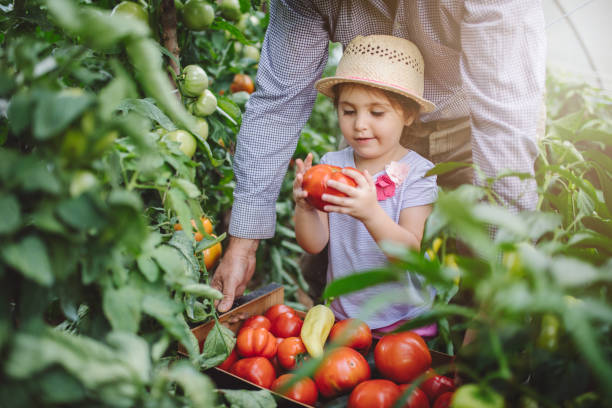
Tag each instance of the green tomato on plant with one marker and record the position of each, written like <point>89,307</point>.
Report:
<point>198,14</point>
<point>230,9</point>
<point>194,81</point>
<point>476,396</point>
<point>206,104</point>
<point>187,143</point>
<point>131,9</point>
<point>81,182</point>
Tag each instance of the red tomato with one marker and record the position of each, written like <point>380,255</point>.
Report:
<point>290,351</point>
<point>341,371</point>
<point>315,183</point>
<point>304,391</point>
<point>286,325</point>
<point>359,335</point>
<point>402,357</point>
<point>253,342</point>
<point>231,359</point>
<point>444,400</point>
<point>257,321</point>
<point>417,398</point>
<point>258,370</point>
<point>437,385</point>
<point>374,393</point>
<point>275,310</point>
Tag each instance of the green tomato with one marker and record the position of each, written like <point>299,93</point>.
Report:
<point>240,98</point>
<point>81,182</point>
<point>198,14</point>
<point>476,396</point>
<point>187,142</point>
<point>250,51</point>
<point>131,9</point>
<point>195,81</point>
<point>202,127</point>
<point>230,9</point>
<point>206,104</point>
<point>548,339</point>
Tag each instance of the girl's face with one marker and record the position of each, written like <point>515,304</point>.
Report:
<point>371,123</point>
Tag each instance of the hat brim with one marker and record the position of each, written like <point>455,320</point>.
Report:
<point>326,85</point>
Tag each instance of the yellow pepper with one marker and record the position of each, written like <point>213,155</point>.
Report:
<point>317,325</point>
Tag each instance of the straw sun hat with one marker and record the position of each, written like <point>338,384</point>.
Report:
<point>382,61</point>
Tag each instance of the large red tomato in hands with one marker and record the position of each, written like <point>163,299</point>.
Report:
<point>356,332</point>
<point>417,398</point>
<point>304,391</point>
<point>315,183</point>
<point>258,370</point>
<point>286,325</point>
<point>374,393</point>
<point>436,386</point>
<point>276,310</point>
<point>289,352</point>
<point>402,357</point>
<point>253,342</point>
<point>341,371</point>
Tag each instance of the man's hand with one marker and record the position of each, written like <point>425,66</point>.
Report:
<point>235,271</point>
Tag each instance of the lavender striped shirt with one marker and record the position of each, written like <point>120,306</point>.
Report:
<point>352,248</point>
<point>483,59</point>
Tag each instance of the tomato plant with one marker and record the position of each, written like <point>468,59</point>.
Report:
<point>354,332</point>
<point>257,370</point>
<point>304,390</point>
<point>253,342</point>
<point>374,393</point>
<point>341,371</point>
<point>402,357</point>
<point>315,183</point>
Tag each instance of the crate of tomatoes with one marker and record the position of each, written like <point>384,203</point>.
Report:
<point>354,368</point>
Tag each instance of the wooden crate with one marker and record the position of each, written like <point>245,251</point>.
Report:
<point>256,303</point>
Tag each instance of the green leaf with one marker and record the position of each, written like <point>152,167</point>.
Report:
<point>148,267</point>
<point>19,111</point>
<point>120,88</point>
<point>55,111</point>
<point>190,189</point>
<point>30,257</point>
<point>198,388</point>
<point>358,281</point>
<point>230,108</point>
<point>222,25</point>
<point>36,175</point>
<point>249,399</point>
<point>245,6</point>
<point>218,345</point>
<point>147,108</point>
<point>11,214</point>
<point>59,387</point>
<point>570,272</point>
<point>122,308</point>
<point>445,167</point>
<point>80,213</point>
<point>173,263</point>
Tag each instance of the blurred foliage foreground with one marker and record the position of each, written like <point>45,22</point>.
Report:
<point>98,288</point>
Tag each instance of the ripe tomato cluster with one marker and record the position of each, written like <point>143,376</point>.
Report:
<point>269,347</point>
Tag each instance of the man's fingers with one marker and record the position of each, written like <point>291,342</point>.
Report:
<point>226,303</point>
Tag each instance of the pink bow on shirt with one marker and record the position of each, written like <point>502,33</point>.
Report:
<point>395,173</point>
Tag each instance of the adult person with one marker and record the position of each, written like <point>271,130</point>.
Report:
<point>485,72</point>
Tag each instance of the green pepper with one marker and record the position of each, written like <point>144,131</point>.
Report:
<point>317,325</point>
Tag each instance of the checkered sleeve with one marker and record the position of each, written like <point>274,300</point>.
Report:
<point>503,71</point>
<point>293,56</point>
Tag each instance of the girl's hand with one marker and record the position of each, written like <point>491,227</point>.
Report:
<point>299,195</point>
<point>361,202</point>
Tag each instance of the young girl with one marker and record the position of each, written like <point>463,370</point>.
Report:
<point>377,91</point>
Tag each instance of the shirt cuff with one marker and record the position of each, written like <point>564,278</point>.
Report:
<point>248,221</point>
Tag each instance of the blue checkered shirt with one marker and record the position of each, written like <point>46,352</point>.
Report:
<point>483,59</point>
